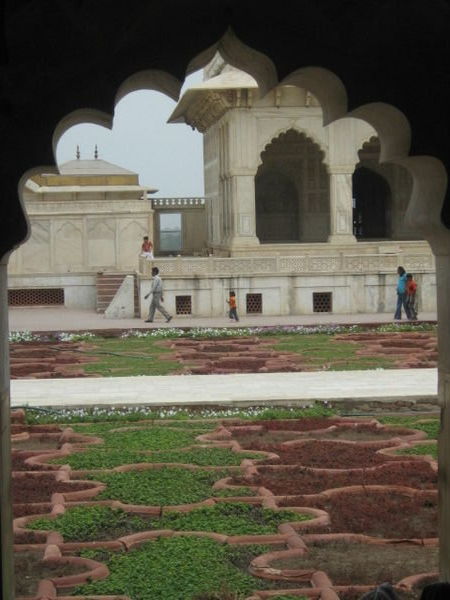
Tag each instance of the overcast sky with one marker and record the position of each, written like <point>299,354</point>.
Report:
<point>165,156</point>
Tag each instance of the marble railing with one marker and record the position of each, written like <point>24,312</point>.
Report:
<point>339,264</point>
<point>178,202</point>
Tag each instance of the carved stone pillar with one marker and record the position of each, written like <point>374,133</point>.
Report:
<point>6,560</point>
<point>239,168</point>
<point>341,206</point>
<point>242,221</point>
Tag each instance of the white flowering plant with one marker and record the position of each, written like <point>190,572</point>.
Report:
<point>127,413</point>
<point>22,336</point>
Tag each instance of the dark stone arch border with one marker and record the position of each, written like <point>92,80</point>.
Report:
<point>59,56</point>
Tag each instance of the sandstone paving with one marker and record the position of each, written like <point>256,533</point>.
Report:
<point>64,319</point>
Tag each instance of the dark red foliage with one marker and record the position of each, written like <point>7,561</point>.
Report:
<point>323,454</point>
<point>303,480</point>
<point>354,594</point>
<point>40,489</point>
<point>18,462</point>
<point>29,537</point>
<point>306,424</point>
<point>23,510</point>
<point>384,514</point>
<point>20,428</point>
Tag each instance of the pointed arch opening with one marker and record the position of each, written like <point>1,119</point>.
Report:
<point>292,191</point>
<point>381,193</point>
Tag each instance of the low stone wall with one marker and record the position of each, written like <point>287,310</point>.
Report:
<point>288,285</point>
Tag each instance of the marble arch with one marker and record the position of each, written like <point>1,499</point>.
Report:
<point>386,184</point>
<point>286,208</point>
<point>33,100</point>
<point>309,134</point>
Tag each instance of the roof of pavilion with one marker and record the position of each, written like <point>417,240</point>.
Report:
<point>93,173</point>
<point>232,79</point>
<point>95,166</point>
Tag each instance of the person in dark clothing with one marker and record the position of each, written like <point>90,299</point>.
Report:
<point>385,591</point>
<point>436,591</point>
<point>401,294</point>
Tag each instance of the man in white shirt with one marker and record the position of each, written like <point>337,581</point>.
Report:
<point>157,297</point>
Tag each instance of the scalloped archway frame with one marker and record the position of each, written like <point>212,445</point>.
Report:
<point>394,131</point>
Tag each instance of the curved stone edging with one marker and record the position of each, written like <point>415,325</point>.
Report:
<point>289,533</point>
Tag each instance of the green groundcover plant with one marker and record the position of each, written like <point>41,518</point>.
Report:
<point>159,486</point>
<point>107,458</point>
<point>234,491</point>
<point>430,425</point>
<point>421,449</point>
<point>177,568</point>
<point>111,417</point>
<point>90,523</point>
<point>141,438</point>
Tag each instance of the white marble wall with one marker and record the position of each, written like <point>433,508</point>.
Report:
<point>70,236</point>
<point>79,290</point>
<point>292,295</point>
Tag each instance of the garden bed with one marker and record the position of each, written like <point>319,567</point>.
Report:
<point>377,512</point>
<point>32,570</point>
<point>193,567</point>
<point>322,454</point>
<point>187,506</point>
<point>288,480</point>
<point>251,350</point>
<point>39,488</point>
<point>90,523</point>
<point>352,563</point>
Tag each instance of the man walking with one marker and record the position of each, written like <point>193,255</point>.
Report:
<point>157,297</point>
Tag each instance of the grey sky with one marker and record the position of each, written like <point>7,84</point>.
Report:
<point>166,156</point>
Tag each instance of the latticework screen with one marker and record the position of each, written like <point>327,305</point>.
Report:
<point>322,301</point>
<point>183,305</point>
<point>36,297</point>
<point>254,303</point>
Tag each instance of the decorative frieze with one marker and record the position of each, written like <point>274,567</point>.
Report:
<point>338,264</point>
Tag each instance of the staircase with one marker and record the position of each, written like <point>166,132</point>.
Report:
<point>107,285</point>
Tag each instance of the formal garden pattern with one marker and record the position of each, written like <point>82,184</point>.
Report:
<point>268,504</point>
<point>192,351</point>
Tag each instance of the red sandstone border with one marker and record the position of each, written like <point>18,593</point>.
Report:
<point>260,565</point>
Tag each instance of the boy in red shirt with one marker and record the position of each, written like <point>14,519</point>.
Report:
<point>411,289</point>
<point>147,248</point>
<point>233,309</point>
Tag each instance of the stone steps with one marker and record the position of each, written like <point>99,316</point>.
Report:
<point>107,285</point>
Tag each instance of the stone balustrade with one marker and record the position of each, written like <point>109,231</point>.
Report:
<point>308,264</point>
<point>177,202</point>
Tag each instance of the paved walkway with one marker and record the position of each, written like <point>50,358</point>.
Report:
<point>242,389</point>
<point>63,319</point>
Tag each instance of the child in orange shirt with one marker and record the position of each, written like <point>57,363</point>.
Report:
<point>147,248</point>
<point>411,304</point>
<point>233,309</point>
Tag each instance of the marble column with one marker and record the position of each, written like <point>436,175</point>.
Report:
<point>242,221</point>
<point>341,206</point>
<point>239,169</point>
<point>6,556</point>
